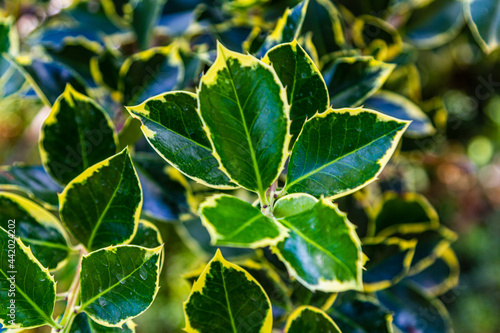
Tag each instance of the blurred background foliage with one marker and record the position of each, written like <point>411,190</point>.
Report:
<point>441,68</point>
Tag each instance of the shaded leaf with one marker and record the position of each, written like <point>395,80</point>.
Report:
<point>83,324</point>
<point>147,235</point>
<point>37,229</point>
<point>76,135</point>
<point>246,116</point>
<point>119,283</point>
<point>310,319</point>
<point>340,151</point>
<point>101,206</point>
<point>228,290</point>
<point>483,17</point>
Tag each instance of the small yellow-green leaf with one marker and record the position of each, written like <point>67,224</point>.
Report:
<point>76,135</point>
<point>235,296</point>
<point>310,319</point>
<point>234,222</point>
<point>119,283</point>
<point>245,113</point>
<point>101,207</point>
<point>341,151</point>
<point>36,227</point>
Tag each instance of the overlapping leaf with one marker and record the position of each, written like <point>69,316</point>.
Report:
<point>36,227</point>
<point>83,324</point>
<point>239,301</point>
<point>341,151</point>
<point>322,250</point>
<point>147,235</point>
<point>233,222</point>
<point>310,319</point>
<point>119,283</point>
<point>101,207</point>
<point>483,17</point>
<point>76,135</point>
<point>24,280</point>
<point>174,130</point>
<point>305,88</point>
<point>246,116</point>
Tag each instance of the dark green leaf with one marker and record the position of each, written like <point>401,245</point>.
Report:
<point>246,115</point>
<point>351,80</point>
<point>32,287</point>
<point>322,250</point>
<point>145,17</point>
<point>105,68</point>
<point>83,324</point>
<point>119,283</point>
<point>234,295</point>
<point>173,128</point>
<point>310,319</point>
<point>234,222</point>
<point>483,17</point>
<point>36,227</point>
<point>341,151</point>
<point>147,235</point>
<point>306,91</point>
<point>101,207</point>
<point>5,34</point>
<point>76,135</point>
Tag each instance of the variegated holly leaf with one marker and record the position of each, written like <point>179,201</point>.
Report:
<point>351,80</point>
<point>173,128</point>
<point>76,135</point>
<point>101,206</point>
<point>305,88</point>
<point>83,324</point>
<point>27,290</point>
<point>483,19</point>
<point>235,296</point>
<point>400,107</point>
<point>340,151</point>
<point>234,222</point>
<point>36,227</point>
<point>245,113</point>
<point>119,283</point>
<point>322,250</point>
<point>310,319</point>
<point>287,27</point>
<point>147,235</point>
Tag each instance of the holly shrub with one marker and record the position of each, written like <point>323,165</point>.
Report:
<point>272,137</point>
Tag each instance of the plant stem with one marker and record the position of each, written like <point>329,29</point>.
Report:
<point>73,295</point>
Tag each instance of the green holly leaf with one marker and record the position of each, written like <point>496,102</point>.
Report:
<point>310,319</point>
<point>306,91</point>
<point>76,135</point>
<point>119,283</point>
<point>482,17</point>
<point>6,34</point>
<point>101,207</point>
<point>83,324</point>
<point>147,235</point>
<point>400,107</point>
<point>24,280</point>
<point>105,68</point>
<point>322,250</point>
<point>173,128</point>
<point>287,27</point>
<point>31,180</point>
<point>149,73</point>
<point>245,113</point>
<point>351,80</point>
<point>234,222</point>
<point>389,261</point>
<point>340,151</point>
<point>235,296</point>
<point>37,228</point>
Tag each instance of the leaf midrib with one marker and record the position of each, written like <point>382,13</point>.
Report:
<point>312,172</point>
<point>247,133</point>
<point>227,300</point>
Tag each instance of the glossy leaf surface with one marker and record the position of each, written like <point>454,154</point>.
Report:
<point>147,235</point>
<point>234,222</point>
<point>341,151</point>
<point>101,206</point>
<point>33,286</point>
<point>119,283</point>
<point>36,227</point>
<point>310,319</point>
<point>228,290</point>
<point>322,250</point>
<point>172,126</point>
<point>400,107</point>
<point>76,135</point>
<point>246,116</point>
<point>83,324</point>
<point>483,17</point>
<point>305,88</point>
<point>351,80</point>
